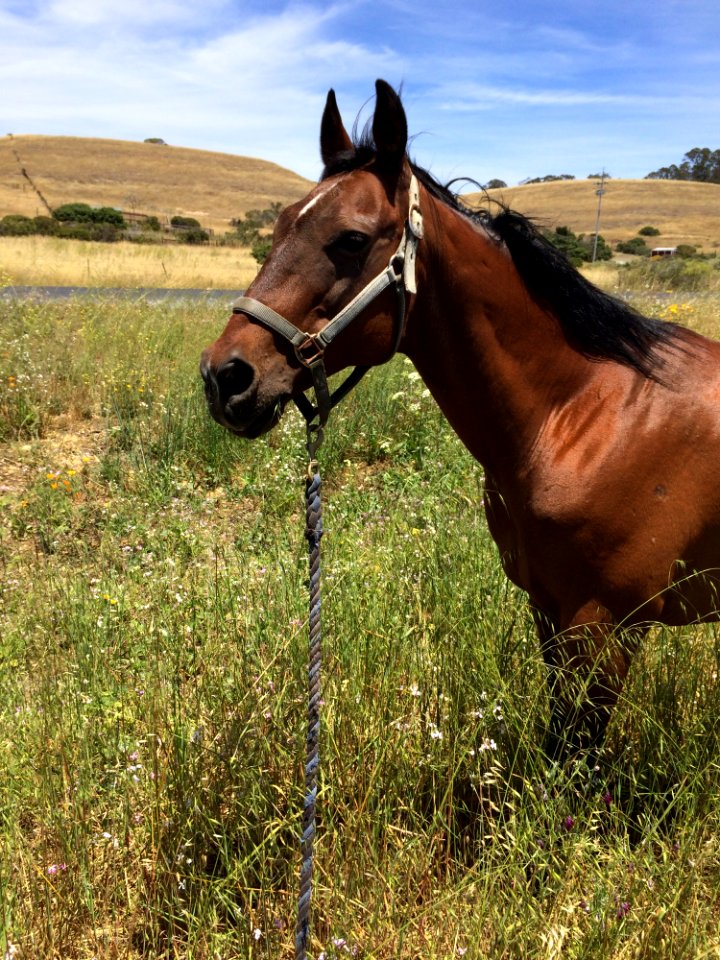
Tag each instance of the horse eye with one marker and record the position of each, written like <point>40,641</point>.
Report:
<point>351,243</point>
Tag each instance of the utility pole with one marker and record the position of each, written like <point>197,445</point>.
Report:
<point>599,193</point>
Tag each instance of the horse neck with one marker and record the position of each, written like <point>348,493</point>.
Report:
<point>496,362</point>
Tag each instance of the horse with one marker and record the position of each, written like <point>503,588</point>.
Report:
<point>597,427</point>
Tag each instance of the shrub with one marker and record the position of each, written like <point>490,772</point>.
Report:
<point>103,232</point>
<point>194,235</point>
<point>248,228</point>
<point>46,226</point>
<point>649,231</point>
<point>185,223</point>
<point>84,213</point>
<point>636,246</point>
<point>261,248</point>
<point>685,250</point>
<point>16,225</point>
<point>579,249</point>
<point>108,215</point>
<point>74,212</point>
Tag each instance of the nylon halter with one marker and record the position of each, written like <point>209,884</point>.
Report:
<point>310,347</point>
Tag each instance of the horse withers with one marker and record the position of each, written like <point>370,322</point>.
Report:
<point>597,428</point>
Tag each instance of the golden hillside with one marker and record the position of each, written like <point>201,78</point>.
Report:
<point>684,211</point>
<point>143,177</point>
<point>215,187</point>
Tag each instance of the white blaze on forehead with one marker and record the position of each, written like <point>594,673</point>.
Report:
<point>318,196</point>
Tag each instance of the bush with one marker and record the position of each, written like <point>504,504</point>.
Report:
<point>579,249</point>
<point>649,232</point>
<point>248,228</point>
<point>194,235</point>
<point>84,213</point>
<point>103,232</point>
<point>261,248</point>
<point>685,250</point>
<point>669,273</point>
<point>46,226</point>
<point>74,212</point>
<point>16,225</point>
<point>185,223</point>
<point>636,246</point>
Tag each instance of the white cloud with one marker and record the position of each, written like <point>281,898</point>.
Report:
<point>498,88</point>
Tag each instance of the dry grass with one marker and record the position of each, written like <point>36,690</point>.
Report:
<point>49,260</point>
<point>683,211</point>
<point>143,177</point>
<point>215,187</point>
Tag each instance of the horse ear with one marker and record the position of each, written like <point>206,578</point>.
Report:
<point>334,138</point>
<point>389,126</point>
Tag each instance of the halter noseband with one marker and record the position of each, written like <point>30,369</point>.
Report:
<point>310,347</point>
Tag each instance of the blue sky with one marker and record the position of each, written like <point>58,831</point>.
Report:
<point>507,90</point>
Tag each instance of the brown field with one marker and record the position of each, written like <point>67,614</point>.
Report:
<point>214,188</point>
<point>683,211</point>
<point>139,177</point>
<point>51,261</point>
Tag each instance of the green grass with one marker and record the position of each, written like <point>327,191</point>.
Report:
<point>152,685</point>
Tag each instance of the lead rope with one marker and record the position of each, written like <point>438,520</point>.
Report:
<point>313,532</point>
<point>401,274</point>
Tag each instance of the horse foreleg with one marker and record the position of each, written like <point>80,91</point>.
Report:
<point>587,663</point>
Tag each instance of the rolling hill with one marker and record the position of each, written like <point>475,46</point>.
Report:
<point>215,187</point>
<point>684,211</point>
<point>139,177</point>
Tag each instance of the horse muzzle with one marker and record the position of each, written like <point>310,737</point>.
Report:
<point>231,389</point>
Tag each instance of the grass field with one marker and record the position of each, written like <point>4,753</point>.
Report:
<point>51,261</point>
<point>152,639</point>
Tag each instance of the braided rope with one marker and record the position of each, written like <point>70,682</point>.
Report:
<point>313,532</point>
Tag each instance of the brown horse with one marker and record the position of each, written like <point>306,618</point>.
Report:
<point>598,429</point>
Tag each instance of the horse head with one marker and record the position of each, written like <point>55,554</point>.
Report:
<point>344,237</point>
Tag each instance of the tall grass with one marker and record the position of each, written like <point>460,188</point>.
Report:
<point>58,262</point>
<point>152,638</point>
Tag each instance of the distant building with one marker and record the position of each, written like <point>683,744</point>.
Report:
<point>663,251</point>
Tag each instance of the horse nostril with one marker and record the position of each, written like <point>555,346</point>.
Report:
<point>235,378</point>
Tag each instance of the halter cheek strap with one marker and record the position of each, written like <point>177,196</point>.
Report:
<point>310,347</point>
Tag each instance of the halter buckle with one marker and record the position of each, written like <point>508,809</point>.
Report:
<point>309,352</point>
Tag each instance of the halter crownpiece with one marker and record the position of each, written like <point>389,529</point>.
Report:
<point>310,347</point>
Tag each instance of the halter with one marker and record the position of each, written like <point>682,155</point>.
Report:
<point>310,347</point>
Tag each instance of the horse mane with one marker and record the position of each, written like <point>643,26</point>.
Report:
<point>598,325</point>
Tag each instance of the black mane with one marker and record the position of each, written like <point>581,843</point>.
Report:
<point>597,324</point>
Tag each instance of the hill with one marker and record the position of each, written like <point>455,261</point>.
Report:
<point>215,187</point>
<point>684,211</point>
<point>139,177</point>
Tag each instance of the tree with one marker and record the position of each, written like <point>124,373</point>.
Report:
<point>700,163</point>
<point>579,249</point>
<point>249,229</point>
<point>548,179</point>
<point>495,185</point>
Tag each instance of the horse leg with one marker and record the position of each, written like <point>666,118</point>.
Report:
<point>587,665</point>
